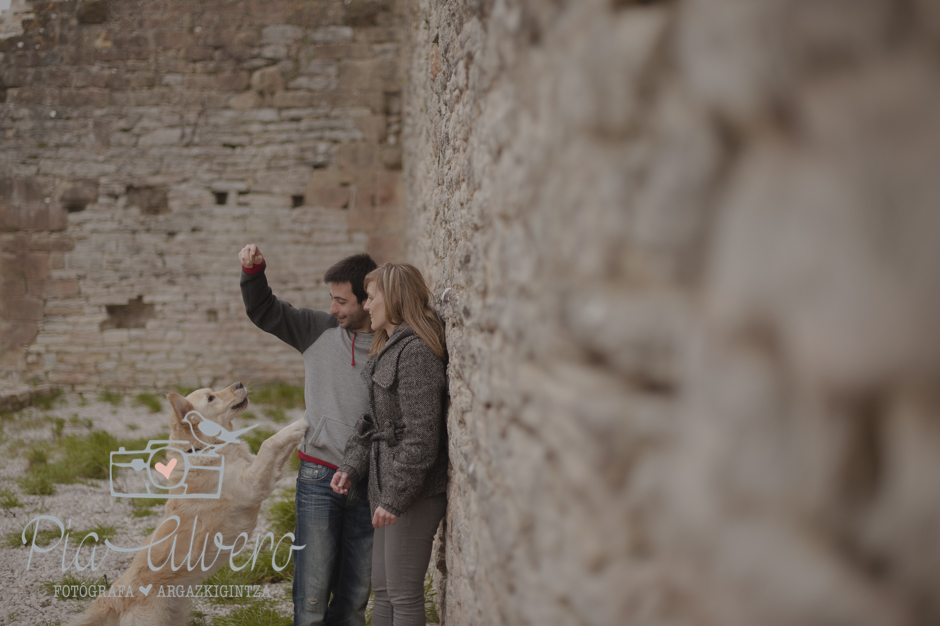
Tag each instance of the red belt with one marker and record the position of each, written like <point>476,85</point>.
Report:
<point>313,459</point>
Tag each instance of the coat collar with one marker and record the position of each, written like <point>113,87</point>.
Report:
<point>383,367</point>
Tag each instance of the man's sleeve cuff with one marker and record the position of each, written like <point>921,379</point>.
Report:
<point>254,269</point>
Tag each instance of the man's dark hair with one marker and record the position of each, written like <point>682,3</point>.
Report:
<point>352,270</point>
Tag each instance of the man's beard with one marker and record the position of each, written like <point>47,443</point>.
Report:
<point>354,322</point>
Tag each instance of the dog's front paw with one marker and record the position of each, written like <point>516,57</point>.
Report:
<point>296,430</point>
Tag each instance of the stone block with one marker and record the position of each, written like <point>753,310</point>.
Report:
<point>388,189</point>
<point>373,127</point>
<point>232,81</point>
<point>273,52</point>
<point>281,34</point>
<point>17,334</point>
<point>267,81</point>
<point>161,137</point>
<point>245,101</point>
<point>21,309</point>
<point>197,52</point>
<point>12,287</point>
<point>330,197</point>
<point>52,288</point>
<point>332,34</point>
<point>293,99</point>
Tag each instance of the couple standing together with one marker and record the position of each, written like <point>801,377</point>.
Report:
<point>375,392</point>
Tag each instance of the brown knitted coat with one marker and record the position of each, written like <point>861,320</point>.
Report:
<point>402,442</point>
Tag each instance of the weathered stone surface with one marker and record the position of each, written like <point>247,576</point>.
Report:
<point>156,145</point>
<point>687,256</point>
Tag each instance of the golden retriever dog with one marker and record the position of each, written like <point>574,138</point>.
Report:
<point>203,509</point>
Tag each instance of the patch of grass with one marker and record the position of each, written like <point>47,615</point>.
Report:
<point>58,425</point>
<point>133,427</point>
<point>72,459</point>
<point>254,438</point>
<point>104,531</point>
<point>248,415</point>
<point>282,513</point>
<point>9,499</point>
<point>276,413</point>
<point>47,536</point>
<point>71,579</point>
<point>75,420</point>
<point>430,610</point>
<point>51,622</point>
<point>294,463</point>
<point>258,613</point>
<point>197,618</point>
<point>143,507</point>
<point>38,483</point>
<point>6,416</point>
<point>149,400</point>
<point>111,397</point>
<point>280,395</point>
<point>262,573</point>
<point>46,402</point>
<point>82,401</point>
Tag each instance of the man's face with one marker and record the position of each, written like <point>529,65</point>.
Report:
<point>347,309</point>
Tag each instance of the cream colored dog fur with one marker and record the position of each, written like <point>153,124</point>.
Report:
<point>247,481</point>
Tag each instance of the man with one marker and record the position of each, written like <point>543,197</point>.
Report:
<point>336,529</point>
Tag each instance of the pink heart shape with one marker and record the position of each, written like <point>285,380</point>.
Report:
<point>166,469</point>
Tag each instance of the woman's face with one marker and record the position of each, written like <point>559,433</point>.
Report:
<point>375,305</point>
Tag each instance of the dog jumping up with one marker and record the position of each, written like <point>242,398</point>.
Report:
<point>247,481</point>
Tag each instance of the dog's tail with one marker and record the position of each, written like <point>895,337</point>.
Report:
<point>99,613</point>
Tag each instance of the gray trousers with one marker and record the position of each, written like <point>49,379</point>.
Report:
<point>400,557</point>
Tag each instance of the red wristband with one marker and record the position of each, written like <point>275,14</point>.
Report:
<point>254,269</point>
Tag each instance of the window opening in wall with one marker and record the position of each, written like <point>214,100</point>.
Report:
<point>296,201</point>
<point>134,314</point>
<point>221,197</point>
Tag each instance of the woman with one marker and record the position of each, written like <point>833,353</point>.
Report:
<point>402,442</point>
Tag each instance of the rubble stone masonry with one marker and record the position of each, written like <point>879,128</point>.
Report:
<point>688,256</point>
<point>142,144</point>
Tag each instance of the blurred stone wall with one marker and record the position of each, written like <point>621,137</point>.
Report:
<point>142,144</point>
<point>688,255</point>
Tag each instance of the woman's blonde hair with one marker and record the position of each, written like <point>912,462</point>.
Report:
<point>407,300</point>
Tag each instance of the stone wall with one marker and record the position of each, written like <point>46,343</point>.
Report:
<point>687,253</point>
<point>143,144</point>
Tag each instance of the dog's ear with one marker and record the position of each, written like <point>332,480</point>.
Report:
<point>181,406</point>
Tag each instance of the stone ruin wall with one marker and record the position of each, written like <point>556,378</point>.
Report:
<point>688,256</point>
<point>142,144</point>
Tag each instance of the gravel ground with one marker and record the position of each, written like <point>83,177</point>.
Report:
<point>87,504</point>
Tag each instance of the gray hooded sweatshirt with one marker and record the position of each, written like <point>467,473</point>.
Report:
<point>334,357</point>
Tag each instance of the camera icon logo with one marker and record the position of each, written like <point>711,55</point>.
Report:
<point>202,468</point>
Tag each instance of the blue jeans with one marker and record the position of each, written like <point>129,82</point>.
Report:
<point>336,561</point>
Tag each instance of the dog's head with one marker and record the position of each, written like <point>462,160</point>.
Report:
<point>205,404</point>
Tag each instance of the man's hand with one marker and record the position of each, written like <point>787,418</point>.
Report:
<point>340,483</point>
<point>250,256</point>
<point>382,518</point>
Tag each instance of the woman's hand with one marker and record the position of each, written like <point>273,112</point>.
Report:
<point>340,483</point>
<point>382,518</point>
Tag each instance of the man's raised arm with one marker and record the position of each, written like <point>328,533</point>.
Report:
<point>296,327</point>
